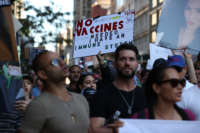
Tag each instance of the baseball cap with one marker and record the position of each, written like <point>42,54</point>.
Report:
<point>176,60</point>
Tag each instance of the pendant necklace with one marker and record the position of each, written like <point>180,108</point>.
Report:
<point>126,102</point>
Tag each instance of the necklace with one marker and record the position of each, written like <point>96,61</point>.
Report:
<point>126,102</point>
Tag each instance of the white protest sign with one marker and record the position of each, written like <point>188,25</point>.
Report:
<point>104,33</point>
<point>157,52</point>
<point>159,126</point>
<point>14,70</point>
<point>149,65</point>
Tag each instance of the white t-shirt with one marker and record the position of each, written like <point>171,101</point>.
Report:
<point>191,99</point>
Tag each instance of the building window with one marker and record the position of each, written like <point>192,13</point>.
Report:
<point>154,3</point>
<point>154,18</point>
<point>153,36</point>
<point>160,1</point>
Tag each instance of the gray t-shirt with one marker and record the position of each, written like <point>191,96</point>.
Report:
<point>48,114</point>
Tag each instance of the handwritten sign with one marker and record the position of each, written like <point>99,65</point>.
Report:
<point>104,33</point>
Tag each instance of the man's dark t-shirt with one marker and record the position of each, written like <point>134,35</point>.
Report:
<point>108,100</point>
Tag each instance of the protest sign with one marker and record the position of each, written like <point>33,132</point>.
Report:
<point>179,25</point>
<point>4,2</point>
<point>149,65</point>
<point>104,33</point>
<point>10,76</point>
<point>14,70</point>
<point>157,52</point>
<point>159,126</point>
<point>8,44</point>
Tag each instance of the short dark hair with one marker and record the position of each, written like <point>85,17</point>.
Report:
<point>126,46</point>
<point>159,63</point>
<point>36,63</point>
<point>27,77</point>
<point>70,69</point>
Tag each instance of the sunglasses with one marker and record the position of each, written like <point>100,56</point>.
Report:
<point>174,82</point>
<point>55,62</point>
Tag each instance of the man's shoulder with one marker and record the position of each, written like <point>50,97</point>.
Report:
<point>44,100</point>
<point>78,97</point>
<point>40,99</point>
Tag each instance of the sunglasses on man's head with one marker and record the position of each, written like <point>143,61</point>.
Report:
<point>174,82</point>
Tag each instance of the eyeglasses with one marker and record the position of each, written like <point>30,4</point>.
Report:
<point>174,82</point>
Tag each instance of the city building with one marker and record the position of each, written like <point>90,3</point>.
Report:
<point>18,9</point>
<point>64,45</point>
<point>124,5</point>
<point>155,12</point>
<point>141,27</point>
<point>82,9</point>
<point>147,13</point>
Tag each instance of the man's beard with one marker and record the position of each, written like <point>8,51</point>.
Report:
<point>125,76</point>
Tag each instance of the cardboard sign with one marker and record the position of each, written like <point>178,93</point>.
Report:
<point>104,33</point>
<point>179,25</point>
<point>159,126</point>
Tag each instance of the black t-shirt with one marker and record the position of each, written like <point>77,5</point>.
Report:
<point>108,100</point>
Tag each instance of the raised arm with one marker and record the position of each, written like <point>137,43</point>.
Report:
<point>191,70</point>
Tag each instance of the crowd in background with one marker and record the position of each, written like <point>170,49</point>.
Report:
<point>169,91</point>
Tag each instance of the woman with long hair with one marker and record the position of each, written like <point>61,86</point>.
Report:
<point>163,89</point>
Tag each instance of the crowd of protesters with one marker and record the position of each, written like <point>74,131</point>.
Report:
<point>93,101</point>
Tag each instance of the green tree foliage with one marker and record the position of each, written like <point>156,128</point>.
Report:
<point>40,19</point>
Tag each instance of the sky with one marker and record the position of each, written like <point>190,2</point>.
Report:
<point>60,5</point>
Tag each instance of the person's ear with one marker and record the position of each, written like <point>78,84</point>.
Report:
<point>156,88</point>
<point>42,75</point>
